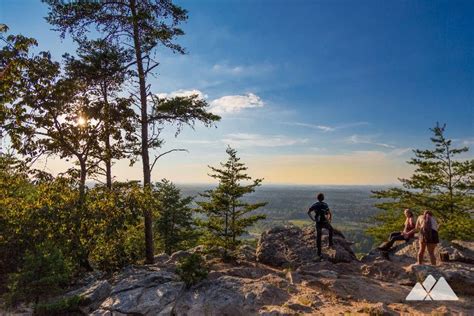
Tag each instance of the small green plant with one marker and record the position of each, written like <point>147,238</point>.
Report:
<point>64,306</point>
<point>192,269</point>
<point>44,273</point>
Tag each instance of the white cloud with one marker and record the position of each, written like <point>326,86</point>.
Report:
<point>235,103</point>
<point>222,105</point>
<point>401,151</point>
<point>182,93</point>
<point>256,140</point>
<point>323,128</point>
<point>241,70</point>
<point>365,139</point>
<point>228,69</point>
<point>326,128</point>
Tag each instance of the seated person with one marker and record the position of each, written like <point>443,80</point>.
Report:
<point>406,234</point>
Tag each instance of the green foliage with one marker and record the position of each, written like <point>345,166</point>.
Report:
<point>44,273</point>
<point>174,222</point>
<point>192,269</point>
<point>112,238</point>
<point>440,183</point>
<point>64,306</point>
<point>102,231</point>
<point>227,216</point>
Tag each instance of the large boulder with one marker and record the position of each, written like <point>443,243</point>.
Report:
<point>229,295</point>
<point>142,292</point>
<point>92,295</point>
<point>291,246</point>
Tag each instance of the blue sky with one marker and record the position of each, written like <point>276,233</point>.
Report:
<point>312,92</point>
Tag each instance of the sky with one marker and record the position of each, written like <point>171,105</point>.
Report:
<point>310,92</point>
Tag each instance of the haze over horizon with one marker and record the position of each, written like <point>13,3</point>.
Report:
<point>310,93</point>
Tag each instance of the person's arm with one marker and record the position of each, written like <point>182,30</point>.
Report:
<point>309,214</point>
<point>417,227</point>
<point>329,215</point>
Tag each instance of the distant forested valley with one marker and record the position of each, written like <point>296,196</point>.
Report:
<point>352,207</point>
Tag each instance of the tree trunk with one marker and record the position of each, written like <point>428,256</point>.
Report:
<point>108,149</point>
<point>144,132</point>
<point>82,181</point>
<point>81,253</point>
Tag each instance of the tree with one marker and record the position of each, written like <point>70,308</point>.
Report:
<point>142,25</point>
<point>440,183</point>
<point>47,113</point>
<point>101,67</point>
<point>174,220</point>
<point>45,272</point>
<point>227,215</point>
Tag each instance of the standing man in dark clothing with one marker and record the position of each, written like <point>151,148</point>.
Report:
<point>322,217</point>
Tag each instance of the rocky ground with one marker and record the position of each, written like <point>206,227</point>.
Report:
<point>282,277</point>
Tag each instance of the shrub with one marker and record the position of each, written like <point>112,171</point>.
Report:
<point>44,273</point>
<point>192,269</point>
<point>64,306</point>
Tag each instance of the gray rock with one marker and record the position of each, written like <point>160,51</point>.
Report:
<point>291,247</point>
<point>176,256</point>
<point>92,295</point>
<point>152,300</point>
<point>228,295</point>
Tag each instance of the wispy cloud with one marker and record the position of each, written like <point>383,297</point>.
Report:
<point>235,103</point>
<point>366,139</point>
<point>241,70</point>
<point>465,141</point>
<point>256,140</point>
<point>327,128</point>
<point>323,128</point>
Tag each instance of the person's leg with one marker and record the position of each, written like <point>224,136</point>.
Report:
<point>330,230</point>
<point>431,252</point>
<point>392,239</point>
<point>394,235</point>
<point>318,238</point>
<point>421,252</point>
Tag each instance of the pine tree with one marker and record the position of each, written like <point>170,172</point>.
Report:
<point>143,26</point>
<point>440,183</point>
<point>227,216</point>
<point>174,224</point>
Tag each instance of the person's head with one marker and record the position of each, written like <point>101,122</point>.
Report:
<point>320,197</point>
<point>408,213</point>
<point>427,213</point>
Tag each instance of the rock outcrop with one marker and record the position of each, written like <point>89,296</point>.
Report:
<point>293,247</point>
<point>281,277</point>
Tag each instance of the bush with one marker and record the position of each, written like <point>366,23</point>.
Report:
<point>65,306</point>
<point>44,273</point>
<point>192,269</point>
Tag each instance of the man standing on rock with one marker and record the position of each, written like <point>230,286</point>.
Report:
<point>322,217</point>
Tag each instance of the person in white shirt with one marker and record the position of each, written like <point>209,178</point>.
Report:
<point>427,227</point>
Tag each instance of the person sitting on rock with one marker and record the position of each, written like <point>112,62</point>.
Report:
<point>394,236</point>
<point>322,217</point>
<point>428,227</point>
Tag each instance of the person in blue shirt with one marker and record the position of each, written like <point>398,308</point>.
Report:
<point>322,217</point>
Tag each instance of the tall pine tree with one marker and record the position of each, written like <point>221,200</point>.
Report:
<point>441,182</point>
<point>227,215</point>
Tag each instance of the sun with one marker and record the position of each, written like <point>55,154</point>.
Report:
<point>81,121</point>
